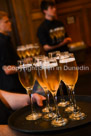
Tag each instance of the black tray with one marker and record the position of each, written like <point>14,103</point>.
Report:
<point>18,122</point>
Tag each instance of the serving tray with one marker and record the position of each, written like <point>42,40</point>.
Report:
<point>18,122</point>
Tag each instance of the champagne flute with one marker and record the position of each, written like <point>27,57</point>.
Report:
<point>50,115</point>
<point>52,35</point>
<point>58,55</point>
<point>28,50</point>
<point>70,77</point>
<point>37,48</point>
<point>63,64</point>
<point>27,75</point>
<point>52,81</point>
<point>61,33</point>
<point>63,102</point>
<point>42,84</point>
<point>21,51</point>
<point>40,60</point>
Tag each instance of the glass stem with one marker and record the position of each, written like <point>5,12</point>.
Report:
<point>70,96</point>
<point>56,107</point>
<point>48,100</point>
<point>30,95</point>
<point>61,93</point>
<point>46,94</point>
<point>74,101</point>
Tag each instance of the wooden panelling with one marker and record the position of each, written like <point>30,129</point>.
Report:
<point>22,21</point>
<point>81,12</point>
<point>61,1</point>
<point>34,18</point>
<point>88,15</point>
<point>35,5</point>
<point>28,18</point>
<point>37,15</point>
<point>71,4</point>
<point>73,28</point>
<point>3,5</point>
<point>36,24</point>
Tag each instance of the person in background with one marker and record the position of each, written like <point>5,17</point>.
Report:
<point>8,58</point>
<point>10,102</point>
<point>45,32</point>
<point>50,24</point>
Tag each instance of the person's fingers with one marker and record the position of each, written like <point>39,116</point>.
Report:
<point>39,99</point>
<point>40,102</point>
<point>69,39</point>
<point>43,98</point>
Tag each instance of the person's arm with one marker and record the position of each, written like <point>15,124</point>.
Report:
<point>16,101</point>
<point>49,48</point>
<point>5,130</point>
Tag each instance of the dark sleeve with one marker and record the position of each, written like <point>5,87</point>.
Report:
<point>7,54</point>
<point>4,113</point>
<point>66,35</point>
<point>42,36</point>
<point>3,52</point>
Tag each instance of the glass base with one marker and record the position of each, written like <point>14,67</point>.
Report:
<point>58,122</point>
<point>49,116</point>
<point>70,109</point>
<point>77,116</point>
<point>34,116</point>
<point>46,109</point>
<point>63,104</point>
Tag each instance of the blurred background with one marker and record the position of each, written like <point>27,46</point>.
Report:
<point>26,17</point>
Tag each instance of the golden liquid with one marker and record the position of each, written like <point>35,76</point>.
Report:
<point>19,54</point>
<point>61,33</point>
<point>33,52</point>
<point>69,76</point>
<point>27,77</point>
<point>57,34</point>
<point>37,51</point>
<point>24,54</point>
<point>28,53</point>
<point>51,78</point>
<point>40,80</point>
<point>52,35</point>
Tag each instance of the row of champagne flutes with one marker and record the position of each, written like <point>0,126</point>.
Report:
<point>29,50</point>
<point>49,72</point>
<point>57,34</point>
